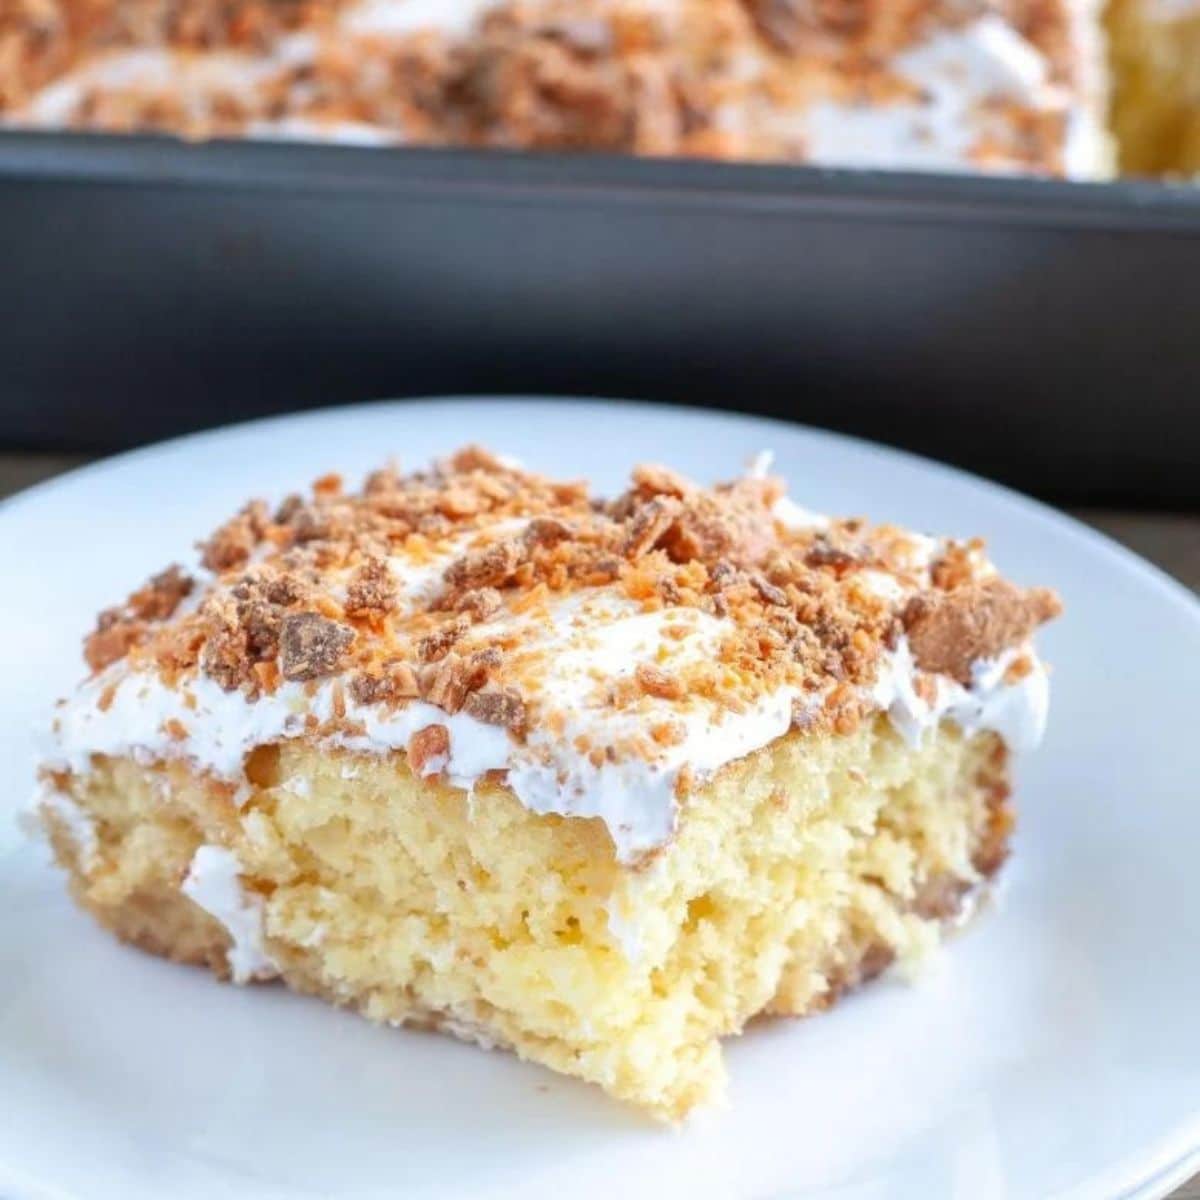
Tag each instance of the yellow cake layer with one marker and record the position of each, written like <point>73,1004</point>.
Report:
<point>793,873</point>
<point>1155,51</point>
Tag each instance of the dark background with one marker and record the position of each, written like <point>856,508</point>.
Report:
<point>1046,335</point>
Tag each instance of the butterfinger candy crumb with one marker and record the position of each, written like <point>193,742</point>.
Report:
<point>444,683</point>
<point>428,749</point>
<point>650,522</point>
<point>434,645</point>
<point>949,631</point>
<point>480,603</point>
<point>392,683</point>
<point>159,599</point>
<point>545,531</point>
<point>311,645</point>
<point>486,568</point>
<point>497,708</point>
<point>112,639</point>
<point>372,591</point>
<point>232,544</point>
<point>656,682</point>
<point>657,480</point>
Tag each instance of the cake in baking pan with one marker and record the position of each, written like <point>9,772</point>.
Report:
<point>974,85</point>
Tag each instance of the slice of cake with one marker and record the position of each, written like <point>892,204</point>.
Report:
<point>974,85</point>
<point>597,781</point>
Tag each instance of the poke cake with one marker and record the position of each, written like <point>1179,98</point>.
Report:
<point>959,85</point>
<point>598,781</point>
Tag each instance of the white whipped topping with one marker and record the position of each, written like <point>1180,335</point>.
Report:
<point>759,466</point>
<point>1017,710</point>
<point>310,129</point>
<point>785,510</point>
<point>394,18</point>
<point>214,883</point>
<point>792,516</point>
<point>959,73</point>
<point>1090,150</point>
<point>881,584</point>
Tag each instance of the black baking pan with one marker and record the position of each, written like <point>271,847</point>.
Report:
<point>1046,334</point>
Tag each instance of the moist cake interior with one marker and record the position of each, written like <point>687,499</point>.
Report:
<point>800,871</point>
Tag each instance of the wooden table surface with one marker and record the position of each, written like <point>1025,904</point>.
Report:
<point>1172,541</point>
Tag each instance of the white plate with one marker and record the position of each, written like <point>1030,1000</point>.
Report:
<point>1055,1053</point>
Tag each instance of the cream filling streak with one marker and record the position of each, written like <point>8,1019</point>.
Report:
<point>214,883</point>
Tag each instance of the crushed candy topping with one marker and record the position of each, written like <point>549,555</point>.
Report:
<point>467,585</point>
